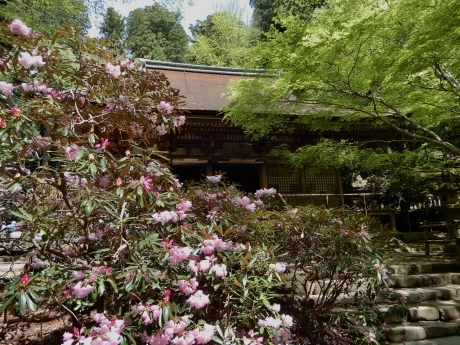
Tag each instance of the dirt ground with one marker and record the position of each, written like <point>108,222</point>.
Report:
<point>15,332</point>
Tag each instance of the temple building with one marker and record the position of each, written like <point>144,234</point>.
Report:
<point>207,145</point>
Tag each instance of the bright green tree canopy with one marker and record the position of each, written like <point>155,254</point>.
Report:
<point>393,62</point>
<point>46,16</point>
<point>223,39</point>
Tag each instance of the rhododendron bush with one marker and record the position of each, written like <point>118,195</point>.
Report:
<point>109,230</point>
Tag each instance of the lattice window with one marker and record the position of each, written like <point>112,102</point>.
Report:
<point>282,179</point>
<point>323,182</point>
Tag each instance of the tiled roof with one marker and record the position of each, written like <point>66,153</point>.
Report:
<point>204,87</point>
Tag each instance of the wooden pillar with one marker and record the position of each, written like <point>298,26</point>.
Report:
<point>338,182</point>
<point>209,169</point>
<point>302,182</point>
<point>263,177</point>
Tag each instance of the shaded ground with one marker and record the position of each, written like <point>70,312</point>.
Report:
<point>46,333</point>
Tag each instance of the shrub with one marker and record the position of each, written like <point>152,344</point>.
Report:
<point>114,235</point>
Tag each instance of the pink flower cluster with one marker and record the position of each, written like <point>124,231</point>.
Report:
<point>184,206</point>
<point>168,216</point>
<point>178,254</point>
<point>278,267</point>
<point>245,202</point>
<point>179,121</point>
<point>36,86</point>
<point>108,333</point>
<point>104,143</point>
<point>165,107</point>
<point>148,312</point>
<point>214,179</point>
<point>281,324</point>
<point>146,183</point>
<point>114,71</point>
<point>198,300</point>
<point>6,88</point>
<point>261,192</point>
<point>18,27</point>
<point>161,129</point>
<point>28,60</point>
<point>72,151</point>
<point>188,286</point>
<point>127,63</point>
<point>81,289</point>
<point>214,242</point>
<point>175,333</point>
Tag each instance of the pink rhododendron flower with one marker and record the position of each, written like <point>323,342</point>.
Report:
<point>165,107</point>
<point>370,336</point>
<point>119,181</point>
<point>184,205</point>
<point>204,265</point>
<point>245,202</point>
<point>15,111</point>
<point>179,121</point>
<point>198,300</point>
<point>103,145</point>
<point>278,267</point>
<point>18,27</point>
<point>79,275</point>
<point>127,63</point>
<point>192,266</point>
<point>261,192</point>
<point>204,334</point>
<point>287,319</point>
<point>275,307</point>
<point>81,290</point>
<point>178,254</point>
<point>146,183</point>
<point>161,129</point>
<point>28,61</point>
<point>188,286</point>
<point>72,151</point>
<point>269,321</point>
<point>219,270</point>
<point>6,88</point>
<point>3,123</point>
<point>114,71</point>
<point>214,179</point>
<point>165,217</point>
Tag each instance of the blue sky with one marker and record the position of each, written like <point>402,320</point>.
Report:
<point>199,11</point>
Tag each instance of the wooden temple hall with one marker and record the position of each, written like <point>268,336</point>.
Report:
<point>206,145</point>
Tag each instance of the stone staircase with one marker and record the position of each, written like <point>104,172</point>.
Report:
<point>431,287</point>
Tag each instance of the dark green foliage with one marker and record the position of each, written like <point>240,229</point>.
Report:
<point>156,33</point>
<point>266,11</point>
<point>112,29</point>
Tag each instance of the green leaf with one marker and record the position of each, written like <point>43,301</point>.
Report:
<point>101,288</point>
<point>6,303</point>
<point>112,282</point>
<point>93,169</point>
<point>22,301</point>
<point>30,303</point>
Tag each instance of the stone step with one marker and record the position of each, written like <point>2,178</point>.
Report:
<point>424,280</point>
<point>455,340</point>
<point>424,330</point>
<point>427,267</point>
